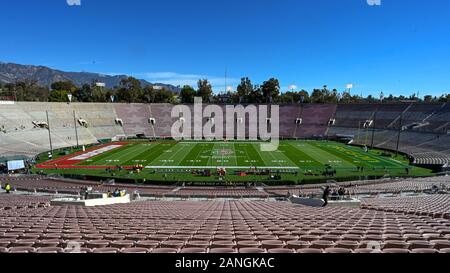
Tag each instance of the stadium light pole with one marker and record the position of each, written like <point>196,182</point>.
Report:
<point>349,88</point>
<point>49,133</point>
<point>373,127</point>
<point>292,88</point>
<point>399,133</point>
<point>359,131</point>
<point>15,93</point>
<point>76,130</point>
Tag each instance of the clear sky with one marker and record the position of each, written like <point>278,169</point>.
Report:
<point>399,47</point>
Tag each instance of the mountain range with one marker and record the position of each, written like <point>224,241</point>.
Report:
<point>45,76</point>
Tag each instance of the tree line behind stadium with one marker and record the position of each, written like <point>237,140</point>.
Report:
<point>131,90</point>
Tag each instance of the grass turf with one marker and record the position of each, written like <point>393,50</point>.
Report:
<point>298,161</point>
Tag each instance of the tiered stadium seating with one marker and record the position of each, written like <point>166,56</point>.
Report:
<point>439,121</point>
<point>9,202</point>
<point>135,118</point>
<point>288,126</point>
<point>382,186</point>
<point>315,120</point>
<point>163,120</point>
<point>351,115</point>
<point>424,129</point>
<point>420,114</point>
<point>45,185</point>
<point>22,137</point>
<point>437,206</point>
<point>218,227</point>
<point>214,192</point>
<point>388,115</point>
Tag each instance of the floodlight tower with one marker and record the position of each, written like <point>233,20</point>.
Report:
<point>373,127</point>
<point>349,88</point>
<point>292,87</point>
<point>49,134</point>
<point>226,78</point>
<point>76,130</point>
<point>400,129</point>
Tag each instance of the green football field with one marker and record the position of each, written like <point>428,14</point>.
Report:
<point>294,162</point>
<point>298,155</point>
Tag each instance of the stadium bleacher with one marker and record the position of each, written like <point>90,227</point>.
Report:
<point>424,133</point>
<point>222,227</point>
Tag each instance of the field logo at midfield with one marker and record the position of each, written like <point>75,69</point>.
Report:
<point>235,122</point>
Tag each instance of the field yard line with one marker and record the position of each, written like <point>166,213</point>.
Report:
<point>305,154</point>
<point>381,160</point>
<point>201,151</point>
<point>105,156</point>
<point>222,157</point>
<point>400,164</point>
<point>328,155</point>
<point>235,155</point>
<point>190,147</point>
<point>308,163</point>
<point>213,167</point>
<point>288,159</point>
<point>146,150</point>
<point>235,152</point>
<point>195,159</point>
<point>164,154</point>
<point>150,157</point>
<point>257,150</point>
<point>134,150</point>
<point>118,157</point>
<point>277,160</point>
<point>346,155</point>
<point>211,155</point>
<point>154,159</point>
<point>246,152</point>
<point>127,153</point>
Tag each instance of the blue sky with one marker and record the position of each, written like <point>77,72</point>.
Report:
<point>399,47</point>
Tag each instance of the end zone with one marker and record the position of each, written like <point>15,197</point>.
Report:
<point>70,161</point>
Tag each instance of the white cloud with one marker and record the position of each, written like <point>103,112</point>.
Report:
<point>374,2</point>
<point>176,79</point>
<point>73,2</point>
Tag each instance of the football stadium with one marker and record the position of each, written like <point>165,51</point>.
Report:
<point>225,196</point>
<point>188,163</point>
